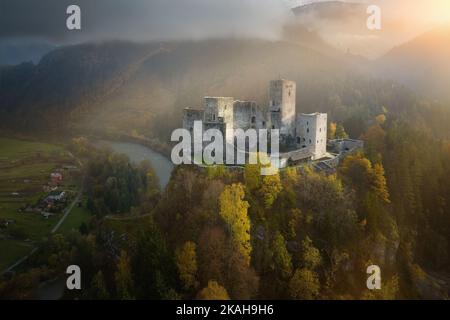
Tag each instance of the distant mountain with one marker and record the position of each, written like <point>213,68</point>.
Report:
<point>343,25</point>
<point>332,10</point>
<point>16,52</point>
<point>121,86</point>
<point>422,63</point>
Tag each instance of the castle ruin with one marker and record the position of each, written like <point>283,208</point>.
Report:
<point>302,136</point>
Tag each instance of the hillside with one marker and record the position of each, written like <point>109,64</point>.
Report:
<point>342,25</point>
<point>329,9</point>
<point>12,52</point>
<point>125,86</point>
<point>422,63</point>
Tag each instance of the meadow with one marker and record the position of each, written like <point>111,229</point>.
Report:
<point>25,168</point>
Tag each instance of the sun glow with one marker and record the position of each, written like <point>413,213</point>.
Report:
<point>442,12</point>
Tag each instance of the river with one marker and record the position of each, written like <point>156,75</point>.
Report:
<point>163,167</point>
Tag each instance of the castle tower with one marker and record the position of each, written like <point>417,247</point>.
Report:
<point>218,109</point>
<point>282,95</point>
<point>219,113</point>
<point>312,133</point>
<point>190,116</point>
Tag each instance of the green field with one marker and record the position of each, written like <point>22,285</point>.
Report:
<point>12,250</point>
<point>12,148</point>
<point>24,168</point>
<point>75,219</point>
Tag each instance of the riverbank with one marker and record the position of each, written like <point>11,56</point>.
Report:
<point>137,152</point>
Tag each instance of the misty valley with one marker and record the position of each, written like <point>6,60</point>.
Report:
<point>98,126</point>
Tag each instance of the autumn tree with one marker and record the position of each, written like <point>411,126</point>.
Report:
<point>388,291</point>
<point>98,287</point>
<point>374,140</point>
<point>372,196</point>
<point>358,172</point>
<point>233,210</point>
<point>270,188</point>
<point>252,177</point>
<point>213,291</point>
<point>340,132</point>
<point>123,278</point>
<point>332,126</point>
<point>219,260</point>
<point>281,257</point>
<point>310,255</point>
<point>186,261</point>
<point>304,285</point>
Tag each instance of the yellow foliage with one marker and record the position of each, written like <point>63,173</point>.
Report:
<point>213,291</point>
<point>233,210</point>
<point>186,261</point>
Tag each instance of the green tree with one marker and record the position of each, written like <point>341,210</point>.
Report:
<point>311,257</point>
<point>153,267</point>
<point>123,278</point>
<point>98,287</point>
<point>388,291</point>
<point>340,132</point>
<point>281,257</point>
<point>304,285</point>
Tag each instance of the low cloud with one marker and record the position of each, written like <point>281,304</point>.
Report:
<point>143,20</point>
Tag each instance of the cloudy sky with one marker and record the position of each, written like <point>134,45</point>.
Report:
<point>175,19</point>
<point>142,19</point>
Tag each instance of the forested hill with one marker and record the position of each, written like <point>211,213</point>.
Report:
<point>44,95</point>
<point>115,84</point>
<point>422,63</point>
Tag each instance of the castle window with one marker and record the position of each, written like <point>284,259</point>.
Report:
<point>298,140</point>
<point>214,117</point>
<point>307,130</point>
<point>310,141</point>
<point>253,119</point>
<point>264,123</point>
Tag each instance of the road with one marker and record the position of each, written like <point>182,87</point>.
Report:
<point>74,202</point>
<point>57,226</point>
<point>67,212</point>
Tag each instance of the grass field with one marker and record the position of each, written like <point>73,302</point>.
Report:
<point>12,250</point>
<point>24,168</point>
<point>75,219</point>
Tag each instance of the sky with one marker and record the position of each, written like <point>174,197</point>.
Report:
<point>143,20</point>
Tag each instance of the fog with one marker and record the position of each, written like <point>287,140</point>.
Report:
<point>143,20</point>
<point>146,20</point>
